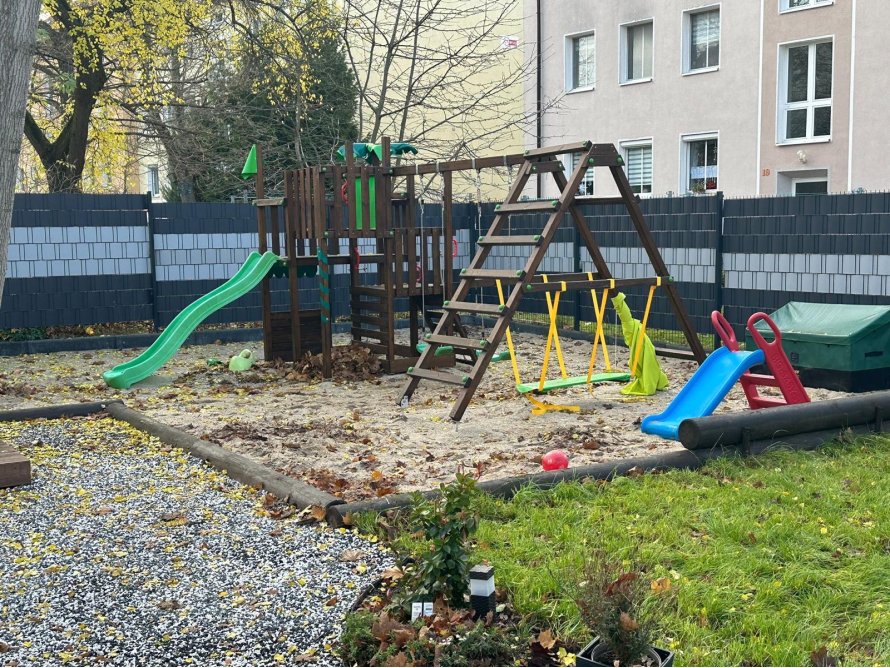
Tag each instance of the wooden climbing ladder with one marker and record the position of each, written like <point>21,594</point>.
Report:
<point>538,161</point>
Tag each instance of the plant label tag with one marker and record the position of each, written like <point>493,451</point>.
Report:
<point>403,403</point>
<point>427,608</point>
<point>416,610</point>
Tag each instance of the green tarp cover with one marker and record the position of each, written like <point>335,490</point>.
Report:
<point>363,150</point>
<point>836,324</point>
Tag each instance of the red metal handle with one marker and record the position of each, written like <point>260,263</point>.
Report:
<point>724,331</point>
<point>758,337</point>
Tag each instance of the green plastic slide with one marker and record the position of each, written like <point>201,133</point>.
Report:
<point>165,346</point>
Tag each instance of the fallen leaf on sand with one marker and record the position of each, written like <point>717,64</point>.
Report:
<point>351,555</point>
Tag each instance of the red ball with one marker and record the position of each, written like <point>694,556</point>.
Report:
<point>555,460</point>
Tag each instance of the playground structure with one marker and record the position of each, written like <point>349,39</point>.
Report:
<point>358,199</point>
<point>723,369</point>
<point>536,162</point>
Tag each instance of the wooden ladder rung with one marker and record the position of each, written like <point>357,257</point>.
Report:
<point>439,376</point>
<point>496,274</point>
<point>528,207</point>
<point>574,147</point>
<point>472,307</point>
<point>456,341</point>
<point>515,240</point>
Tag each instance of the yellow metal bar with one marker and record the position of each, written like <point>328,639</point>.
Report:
<point>633,371</point>
<point>600,312</point>
<point>509,337</point>
<point>542,407</point>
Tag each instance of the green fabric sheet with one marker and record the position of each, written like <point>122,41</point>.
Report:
<point>650,378</point>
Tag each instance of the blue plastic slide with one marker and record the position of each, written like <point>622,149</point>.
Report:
<point>704,391</point>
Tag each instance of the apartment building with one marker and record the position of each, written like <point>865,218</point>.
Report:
<point>747,97</point>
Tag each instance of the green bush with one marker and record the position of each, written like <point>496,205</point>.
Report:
<point>445,523</point>
<point>357,644</point>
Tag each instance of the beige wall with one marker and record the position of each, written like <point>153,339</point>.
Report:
<point>820,21</point>
<point>871,100</point>
<point>665,108</point>
<point>729,100</point>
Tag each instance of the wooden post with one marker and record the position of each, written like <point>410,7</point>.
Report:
<point>290,245</point>
<point>448,242</point>
<point>263,247</point>
<point>384,210</point>
<point>324,271</point>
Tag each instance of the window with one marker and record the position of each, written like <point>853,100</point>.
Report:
<point>700,163</point>
<point>805,85</point>
<point>581,60</point>
<point>586,186</point>
<point>701,36</point>
<point>817,186</point>
<point>638,165</point>
<point>153,180</point>
<point>636,52</point>
<point>789,5</point>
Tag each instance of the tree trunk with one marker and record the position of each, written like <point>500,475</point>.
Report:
<point>18,29</point>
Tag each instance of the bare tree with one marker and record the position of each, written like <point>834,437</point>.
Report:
<point>18,28</point>
<point>443,74</point>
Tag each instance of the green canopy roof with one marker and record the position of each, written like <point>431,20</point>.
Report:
<point>837,324</point>
<point>364,150</point>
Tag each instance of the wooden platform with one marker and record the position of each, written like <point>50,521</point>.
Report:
<point>15,468</point>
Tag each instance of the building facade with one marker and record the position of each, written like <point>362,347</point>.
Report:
<point>747,97</point>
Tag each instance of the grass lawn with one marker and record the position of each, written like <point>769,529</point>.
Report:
<point>770,558</point>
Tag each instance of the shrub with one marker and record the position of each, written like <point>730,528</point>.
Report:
<point>445,524</point>
<point>610,598</point>
<point>357,644</point>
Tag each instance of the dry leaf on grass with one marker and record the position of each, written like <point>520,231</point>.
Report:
<point>545,639</point>
<point>384,625</point>
<point>660,585</point>
<point>392,574</point>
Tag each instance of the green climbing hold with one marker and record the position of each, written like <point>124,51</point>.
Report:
<point>446,302</point>
<point>410,369</point>
<point>501,307</point>
<point>537,237</point>
<point>427,336</point>
<point>528,287</point>
<point>483,343</point>
<point>519,272</point>
<point>591,161</point>
<point>620,160</point>
<point>465,378</point>
<point>554,203</point>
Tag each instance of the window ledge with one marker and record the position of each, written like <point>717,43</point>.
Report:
<point>702,70</point>
<point>813,5</point>
<point>635,81</point>
<point>581,89</point>
<point>797,142</point>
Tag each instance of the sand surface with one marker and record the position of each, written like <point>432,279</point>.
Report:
<point>349,436</point>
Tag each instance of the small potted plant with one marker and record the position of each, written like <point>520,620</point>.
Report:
<point>610,600</point>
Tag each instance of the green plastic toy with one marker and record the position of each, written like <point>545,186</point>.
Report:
<point>242,362</point>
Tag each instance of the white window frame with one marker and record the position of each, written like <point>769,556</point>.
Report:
<point>569,160</point>
<point>811,103</point>
<point>569,60</point>
<point>784,7</point>
<point>686,45</point>
<point>639,143</point>
<point>812,179</point>
<point>157,182</point>
<point>622,52</point>
<point>685,141</point>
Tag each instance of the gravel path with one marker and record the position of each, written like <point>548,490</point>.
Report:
<point>124,552</point>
